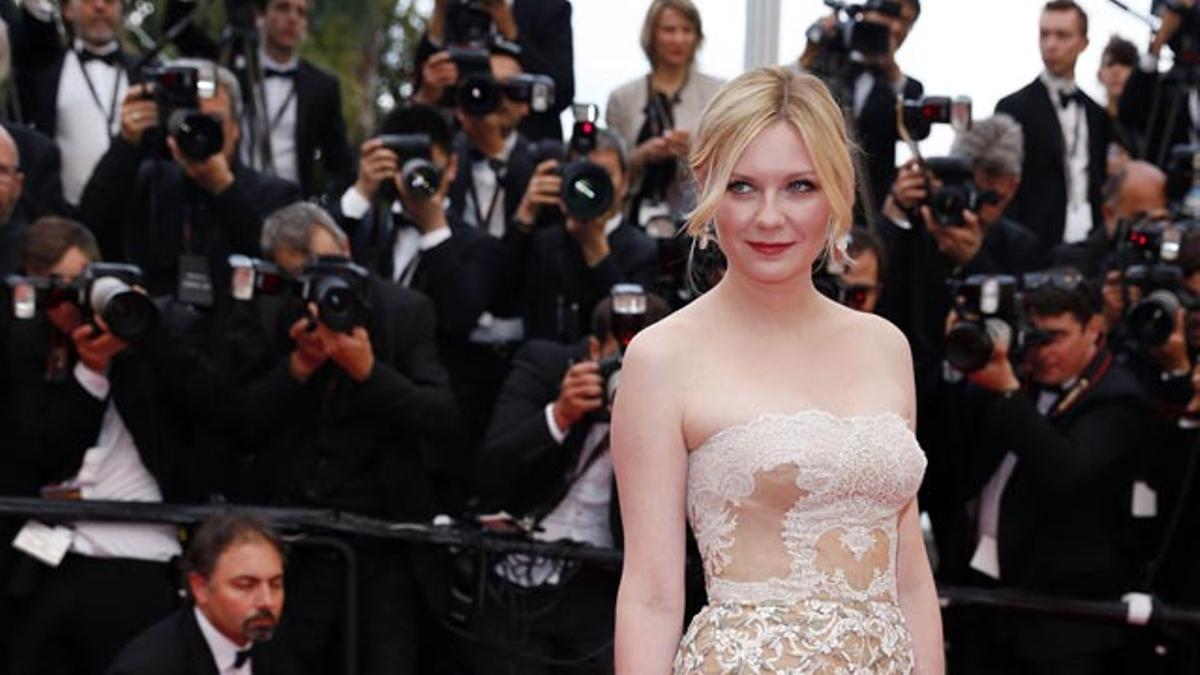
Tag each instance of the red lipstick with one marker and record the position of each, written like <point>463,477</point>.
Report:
<point>769,248</point>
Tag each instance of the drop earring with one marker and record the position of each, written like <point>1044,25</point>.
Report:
<point>704,236</point>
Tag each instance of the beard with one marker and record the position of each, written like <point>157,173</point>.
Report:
<point>260,627</point>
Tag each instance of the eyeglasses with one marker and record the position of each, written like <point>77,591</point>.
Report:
<point>1062,279</point>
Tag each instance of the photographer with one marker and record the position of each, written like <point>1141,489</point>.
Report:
<point>179,219</point>
<point>540,29</point>
<point>924,252</point>
<point>300,134</point>
<point>575,260</point>
<point>868,88</point>
<point>70,94</point>
<point>352,420</point>
<point>93,418</point>
<point>1066,136</point>
<point>657,113</point>
<point>545,456</point>
<point>1050,462</point>
<point>858,283</point>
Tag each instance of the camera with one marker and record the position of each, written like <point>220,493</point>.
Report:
<point>834,287</point>
<point>627,319</point>
<point>1152,320</point>
<point>414,154</point>
<point>337,286</point>
<point>103,290</point>
<point>855,34</point>
<point>468,23</point>
<point>957,192</point>
<point>177,90</point>
<point>918,116</point>
<point>988,313</point>
<point>477,93</point>
<point>587,190</point>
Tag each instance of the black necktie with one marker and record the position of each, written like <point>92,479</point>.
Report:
<point>288,74</point>
<point>1065,98</point>
<point>110,58</point>
<point>242,657</point>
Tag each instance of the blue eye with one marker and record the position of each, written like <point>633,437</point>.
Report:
<point>801,185</point>
<point>739,187</point>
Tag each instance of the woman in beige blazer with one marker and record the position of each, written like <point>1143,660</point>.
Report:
<point>657,113</point>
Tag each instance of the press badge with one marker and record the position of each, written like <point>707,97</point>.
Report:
<point>47,544</point>
<point>195,281</point>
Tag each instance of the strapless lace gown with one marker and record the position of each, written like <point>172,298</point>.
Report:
<point>795,516</point>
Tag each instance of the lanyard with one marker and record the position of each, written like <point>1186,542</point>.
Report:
<point>277,118</point>
<point>111,114</point>
<point>481,222</point>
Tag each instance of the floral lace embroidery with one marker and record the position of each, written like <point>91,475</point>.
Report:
<point>838,523</point>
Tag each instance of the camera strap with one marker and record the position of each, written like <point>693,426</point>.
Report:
<point>277,118</point>
<point>483,221</point>
<point>1095,371</point>
<point>111,114</point>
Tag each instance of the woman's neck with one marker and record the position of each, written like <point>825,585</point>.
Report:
<point>669,78</point>
<point>786,305</point>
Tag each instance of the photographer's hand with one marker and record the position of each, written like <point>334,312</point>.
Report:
<point>1172,19</point>
<point>376,165</point>
<point>582,392</point>
<point>958,243</point>
<point>997,376</point>
<point>437,73</point>
<point>1172,355</point>
<point>352,353</point>
<point>544,189</point>
<point>653,150</point>
<point>138,113</point>
<point>96,346</point>
<point>213,175</point>
<point>309,354</point>
<point>506,23</point>
<point>679,141</point>
<point>908,190</point>
<point>593,242</point>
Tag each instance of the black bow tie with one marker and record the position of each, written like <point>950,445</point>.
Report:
<point>288,74</point>
<point>110,58</point>
<point>1065,98</point>
<point>242,657</point>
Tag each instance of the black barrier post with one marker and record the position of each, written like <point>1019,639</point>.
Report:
<point>350,605</point>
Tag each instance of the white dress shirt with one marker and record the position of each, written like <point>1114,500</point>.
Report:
<point>84,128</point>
<point>410,242</point>
<point>1073,121</point>
<point>223,649</point>
<point>488,190</point>
<point>280,119</point>
<point>582,515</point>
<point>113,470</point>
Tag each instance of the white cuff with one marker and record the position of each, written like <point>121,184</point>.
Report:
<point>433,239</point>
<point>354,204</point>
<point>1148,63</point>
<point>1141,607</point>
<point>901,223</point>
<point>92,382</point>
<point>558,434</point>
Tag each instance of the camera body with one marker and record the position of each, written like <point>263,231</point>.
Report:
<point>957,192</point>
<point>334,284</point>
<point>587,190</point>
<point>919,115</point>
<point>1162,294</point>
<point>177,91</point>
<point>629,307</point>
<point>990,313</point>
<point>468,23</point>
<point>414,154</point>
<point>477,93</point>
<point>104,290</point>
<point>855,34</point>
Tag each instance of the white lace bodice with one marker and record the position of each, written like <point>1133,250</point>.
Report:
<point>791,507</point>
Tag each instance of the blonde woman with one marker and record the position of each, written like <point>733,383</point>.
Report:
<point>657,113</point>
<point>777,421</point>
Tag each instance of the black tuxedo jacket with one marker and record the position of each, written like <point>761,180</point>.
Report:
<point>1065,525</point>
<point>561,290</point>
<point>41,163</point>
<point>175,646</point>
<point>521,468</point>
<point>1041,201</point>
<point>366,447</point>
<point>878,135</point>
<point>38,56</point>
<point>138,209</point>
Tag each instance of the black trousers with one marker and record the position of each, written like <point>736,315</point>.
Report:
<point>84,611</point>
<point>566,628</point>
<point>314,616</point>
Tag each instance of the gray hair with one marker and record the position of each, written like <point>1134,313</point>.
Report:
<point>292,227</point>
<point>995,144</point>
<point>225,80</point>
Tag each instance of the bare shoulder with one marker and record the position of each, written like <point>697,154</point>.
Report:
<point>662,346</point>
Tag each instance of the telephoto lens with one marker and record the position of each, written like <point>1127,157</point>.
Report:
<point>338,305</point>
<point>199,135</point>
<point>129,314</point>
<point>587,190</point>
<point>1152,320</point>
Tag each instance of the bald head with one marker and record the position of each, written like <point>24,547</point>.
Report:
<point>1140,188</point>
<point>11,180</point>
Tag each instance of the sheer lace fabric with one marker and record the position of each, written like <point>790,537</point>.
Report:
<point>796,517</point>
